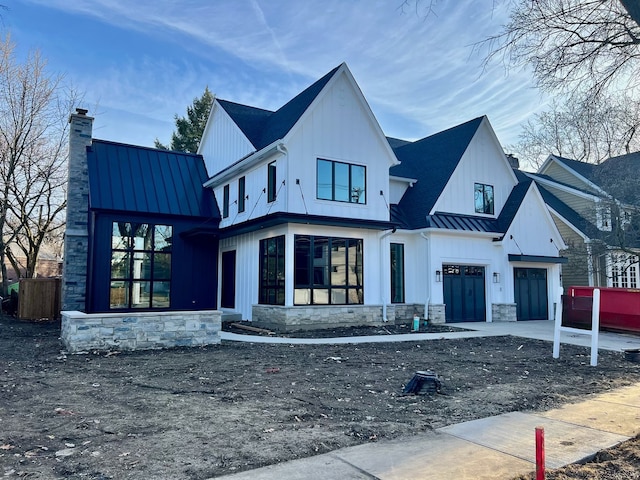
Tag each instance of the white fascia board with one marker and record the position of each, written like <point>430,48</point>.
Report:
<point>245,163</point>
<point>410,181</point>
<point>579,232</point>
<point>548,160</point>
<point>577,175</point>
<point>563,187</point>
<point>214,103</point>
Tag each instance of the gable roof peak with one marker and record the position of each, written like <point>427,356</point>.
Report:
<point>262,127</point>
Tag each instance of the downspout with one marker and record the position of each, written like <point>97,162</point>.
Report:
<point>428,296</point>
<point>383,276</point>
<point>280,148</point>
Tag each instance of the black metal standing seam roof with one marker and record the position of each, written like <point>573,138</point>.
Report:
<point>431,161</point>
<point>135,179</point>
<point>472,223</point>
<point>467,223</point>
<point>263,127</point>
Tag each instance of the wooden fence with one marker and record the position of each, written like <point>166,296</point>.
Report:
<point>39,299</point>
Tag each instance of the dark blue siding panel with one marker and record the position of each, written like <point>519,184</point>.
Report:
<point>193,266</point>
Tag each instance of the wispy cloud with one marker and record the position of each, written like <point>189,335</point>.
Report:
<point>420,74</point>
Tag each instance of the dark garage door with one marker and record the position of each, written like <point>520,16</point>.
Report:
<point>530,292</point>
<point>464,293</point>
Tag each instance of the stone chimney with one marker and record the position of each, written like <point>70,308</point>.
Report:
<point>76,238</point>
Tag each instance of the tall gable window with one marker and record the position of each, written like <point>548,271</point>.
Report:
<point>225,201</point>
<point>140,265</point>
<point>271,182</point>
<point>272,271</point>
<point>241,194</point>
<point>483,198</point>
<point>341,182</point>
<point>327,271</point>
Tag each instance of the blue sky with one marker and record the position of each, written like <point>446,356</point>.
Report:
<point>141,62</point>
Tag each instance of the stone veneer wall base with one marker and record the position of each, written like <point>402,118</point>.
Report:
<point>139,330</point>
<point>437,313</point>
<point>504,312</point>
<point>285,319</point>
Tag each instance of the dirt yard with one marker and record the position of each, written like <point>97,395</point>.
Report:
<point>204,412</point>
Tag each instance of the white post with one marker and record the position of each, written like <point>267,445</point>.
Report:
<point>558,324</point>
<point>595,326</point>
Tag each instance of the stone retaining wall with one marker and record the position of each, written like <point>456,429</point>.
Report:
<point>139,330</point>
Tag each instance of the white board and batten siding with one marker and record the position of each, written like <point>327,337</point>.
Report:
<point>218,154</point>
<point>247,247</point>
<point>483,162</point>
<point>338,127</point>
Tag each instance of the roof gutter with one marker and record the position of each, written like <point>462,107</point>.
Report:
<point>275,148</point>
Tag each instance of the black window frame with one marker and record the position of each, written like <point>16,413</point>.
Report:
<point>323,273</point>
<point>241,194</point>
<point>271,181</point>
<point>125,253</point>
<point>396,260</point>
<point>488,203</point>
<point>225,201</point>
<point>271,287</point>
<point>350,187</point>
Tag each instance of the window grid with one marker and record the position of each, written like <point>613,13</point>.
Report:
<point>340,182</point>
<point>272,271</point>
<point>140,266</point>
<point>328,271</point>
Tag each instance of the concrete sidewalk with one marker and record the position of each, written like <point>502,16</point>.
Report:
<point>499,447</point>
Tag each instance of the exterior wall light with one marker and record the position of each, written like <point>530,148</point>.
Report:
<point>438,276</point>
<point>496,277</point>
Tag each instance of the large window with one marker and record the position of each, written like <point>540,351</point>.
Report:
<point>328,271</point>
<point>140,265</point>
<point>271,182</point>
<point>483,198</point>
<point>397,273</point>
<point>272,271</point>
<point>341,182</point>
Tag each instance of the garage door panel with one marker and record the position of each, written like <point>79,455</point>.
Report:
<point>464,293</point>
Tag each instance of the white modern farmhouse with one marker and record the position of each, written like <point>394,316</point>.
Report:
<point>326,221</point>
<point>303,217</point>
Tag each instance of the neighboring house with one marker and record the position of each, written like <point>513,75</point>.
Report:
<point>49,264</point>
<point>324,221</point>
<point>596,210</point>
